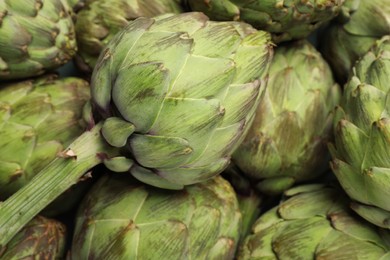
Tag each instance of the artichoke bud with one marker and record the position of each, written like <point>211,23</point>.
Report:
<point>199,222</point>
<point>314,222</point>
<point>361,149</point>
<point>286,142</point>
<point>39,119</point>
<point>179,93</point>
<point>346,42</point>
<point>41,238</point>
<point>36,36</point>
<point>95,27</point>
<point>286,20</point>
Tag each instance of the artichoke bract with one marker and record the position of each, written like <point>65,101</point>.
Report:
<point>35,36</point>
<point>361,149</point>
<point>314,222</point>
<point>38,119</point>
<point>176,94</point>
<point>286,20</point>
<point>121,218</point>
<point>287,140</point>
<point>41,238</point>
<point>351,36</point>
<point>100,20</point>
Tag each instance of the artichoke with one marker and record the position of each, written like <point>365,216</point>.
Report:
<point>287,141</point>
<point>35,36</point>
<point>100,20</point>
<point>314,222</point>
<point>344,43</point>
<point>286,20</point>
<point>41,238</point>
<point>187,88</point>
<point>123,219</point>
<point>176,94</point>
<point>38,119</point>
<point>362,122</point>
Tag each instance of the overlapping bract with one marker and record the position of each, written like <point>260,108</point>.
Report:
<point>41,238</point>
<point>347,40</point>
<point>35,36</point>
<point>286,20</point>
<point>188,89</point>
<point>361,154</point>
<point>314,222</point>
<point>38,119</point>
<point>287,140</point>
<point>123,219</point>
<point>95,27</point>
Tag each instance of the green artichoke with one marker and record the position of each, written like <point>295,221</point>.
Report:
<point>176,94</point>
<point>35,36</point>
<point>100,20</point>
<point>287,141</point>
<point>344,43</point>
<point>286,20</point>
<point>41,238</point>
<point>362,144</point>
<point>314,222</point>
<point>187,88</point>
<point>123,219</point>
<point>38,119</point>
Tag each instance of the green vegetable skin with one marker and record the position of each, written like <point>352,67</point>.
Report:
<point>286,143</point>
<point>121,218</point>
<point>343,43</point>
<point>95,27</point>
<point>41,238</point>
<point>35,36</point>
<point>186,87</point>
<point>286,20</point>
<point>314,222</point>
<point>361,150</point>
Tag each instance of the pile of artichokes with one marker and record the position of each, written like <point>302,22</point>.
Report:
<point>193,129</point>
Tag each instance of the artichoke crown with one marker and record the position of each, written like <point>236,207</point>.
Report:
<point>95,27</point>
<point>35,36</point>
<point>361,129</point>
<point>286,142</point>
<point>314,222</point>
<point>286,20</point>
<point>41,238</point>
<point>123,219</point>
<point>179,92</point>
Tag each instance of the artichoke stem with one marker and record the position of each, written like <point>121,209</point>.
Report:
<point>85,152</point>
<point>250,207</point>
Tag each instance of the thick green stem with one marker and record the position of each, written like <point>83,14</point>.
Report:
<point>84,153</point>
